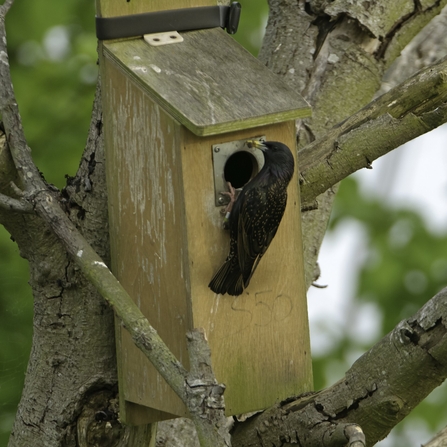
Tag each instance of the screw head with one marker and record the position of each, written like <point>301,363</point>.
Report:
<point>221,200</point>
<point>216,149</point>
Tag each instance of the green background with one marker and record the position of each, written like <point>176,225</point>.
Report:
<point>55,85</point>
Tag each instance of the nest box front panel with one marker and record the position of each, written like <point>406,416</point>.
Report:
<point>259,340</point>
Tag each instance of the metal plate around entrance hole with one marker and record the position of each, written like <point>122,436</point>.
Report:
<point>221,153</point>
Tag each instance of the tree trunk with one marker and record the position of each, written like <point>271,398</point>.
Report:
<point>72,368</point>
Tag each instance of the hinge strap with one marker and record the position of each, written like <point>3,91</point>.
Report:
<point>185,19</point>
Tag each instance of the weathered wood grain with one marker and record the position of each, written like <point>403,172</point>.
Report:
<point>209,83</point>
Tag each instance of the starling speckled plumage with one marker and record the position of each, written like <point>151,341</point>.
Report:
<point>255,217</point>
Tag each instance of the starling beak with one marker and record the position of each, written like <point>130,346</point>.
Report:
<point>255,218</point>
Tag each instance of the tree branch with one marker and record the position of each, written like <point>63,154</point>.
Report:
<point>208,394</point>
<point>415,107</point>
<point>9,204</point>
<point>6,7</point>
<point>372,394</point>
<point>440,440</point>
<point>95,270</point>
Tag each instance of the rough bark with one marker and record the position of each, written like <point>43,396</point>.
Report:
<point>426,48</point>
<point>412,108</point>
<point>440,440</point>
<point>69,396</point>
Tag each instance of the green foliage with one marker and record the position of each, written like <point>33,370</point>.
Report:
<point>16,322</point>
<point>252,24</point>
<point>52,49</point>
<point>405,265</point>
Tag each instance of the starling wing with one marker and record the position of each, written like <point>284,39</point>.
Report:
<point>261,214</point>
<point>254,221</point>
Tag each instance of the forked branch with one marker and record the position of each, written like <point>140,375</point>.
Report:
<point>45,204</point>
<point>413,108</point>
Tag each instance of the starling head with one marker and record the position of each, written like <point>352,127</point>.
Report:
<point>278,159</point>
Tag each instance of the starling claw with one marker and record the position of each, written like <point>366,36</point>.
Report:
<point>229,207</point>
<point>232,195</point>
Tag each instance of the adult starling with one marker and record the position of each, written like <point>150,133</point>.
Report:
<point>255,217</point>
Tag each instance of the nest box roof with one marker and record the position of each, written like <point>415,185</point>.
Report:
<point>208,82</point>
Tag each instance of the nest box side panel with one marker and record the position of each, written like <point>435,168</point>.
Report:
<point>259,340</point>
<point>147,222</point>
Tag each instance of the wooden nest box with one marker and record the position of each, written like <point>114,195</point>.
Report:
<point>175,121</point>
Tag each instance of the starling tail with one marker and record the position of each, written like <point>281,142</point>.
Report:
<point>255,218</point>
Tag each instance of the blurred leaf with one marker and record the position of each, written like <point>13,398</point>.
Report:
<point>252,24</point>
<point>52,46</point>
<point>16,318</point>
<point>405,264</point>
